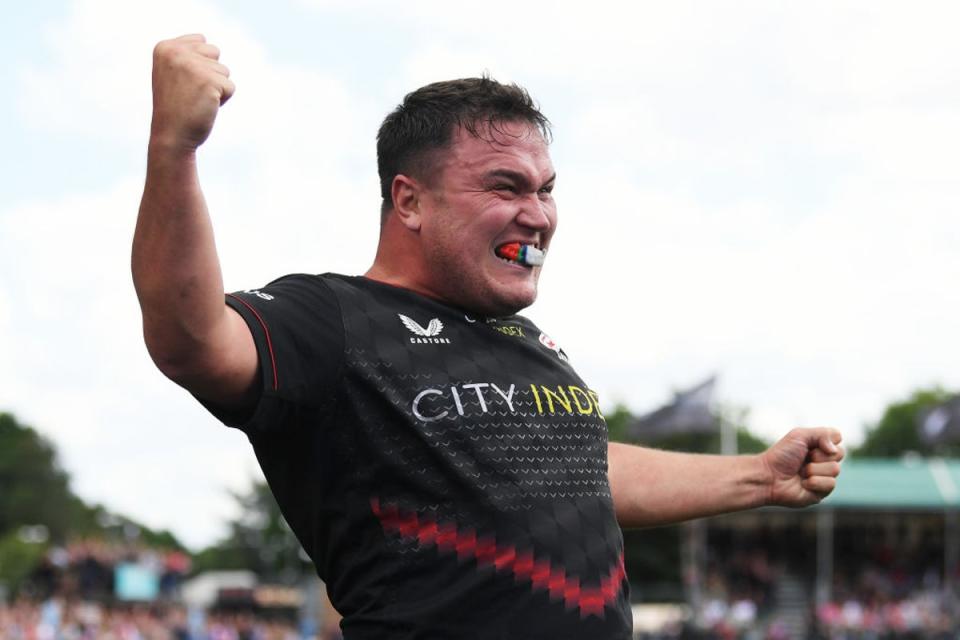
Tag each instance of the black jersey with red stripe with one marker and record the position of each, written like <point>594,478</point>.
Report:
<point>447,473</point>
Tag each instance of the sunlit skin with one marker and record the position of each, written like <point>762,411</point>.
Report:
<point>441,237</point>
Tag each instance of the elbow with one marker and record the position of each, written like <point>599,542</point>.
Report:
<point>175,364</point>
<point>178,358</point>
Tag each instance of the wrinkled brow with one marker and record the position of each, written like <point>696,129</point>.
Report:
<point>518,178</point>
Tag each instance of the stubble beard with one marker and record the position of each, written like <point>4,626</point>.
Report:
<point>468,288</point>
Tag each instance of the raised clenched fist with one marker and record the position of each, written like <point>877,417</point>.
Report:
<point>189,85</point>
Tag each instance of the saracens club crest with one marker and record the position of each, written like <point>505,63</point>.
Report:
<point>428,335</point>
<point>551,344</point>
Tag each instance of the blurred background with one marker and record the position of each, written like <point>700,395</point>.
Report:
<point>758,230</point>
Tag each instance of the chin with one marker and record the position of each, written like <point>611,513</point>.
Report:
<point>490,295</point>
<point>499,304</point>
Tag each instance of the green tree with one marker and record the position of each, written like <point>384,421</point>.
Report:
<point>33,488</point>
<point>617,421</point>
<point>259,540</point>
<point>897,431</point>
<point>18,558</point>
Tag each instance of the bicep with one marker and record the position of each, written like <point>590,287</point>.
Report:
<point>619,464</point>
<point>647,485</point>
<point>226,371</point>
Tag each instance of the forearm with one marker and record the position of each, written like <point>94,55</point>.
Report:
<point>176,271</point>
<point>651,487</point>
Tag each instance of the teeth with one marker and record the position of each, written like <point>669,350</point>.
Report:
<point>516,253</point>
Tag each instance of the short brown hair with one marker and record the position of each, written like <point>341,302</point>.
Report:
<point>426,120</point>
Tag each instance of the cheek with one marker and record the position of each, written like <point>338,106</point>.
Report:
<point>551,213</point>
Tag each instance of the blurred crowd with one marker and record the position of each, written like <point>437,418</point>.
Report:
<point>86,570</point>
<point>73,595</point>
<point>738,589</point>
<point>739,597</point>
<point>58,619</point>
<point>888,584</point>
<point>881,590</point>
<point>926,614</point>
<point>885,587</point>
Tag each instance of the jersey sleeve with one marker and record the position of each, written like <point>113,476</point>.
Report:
<point>298,331</point>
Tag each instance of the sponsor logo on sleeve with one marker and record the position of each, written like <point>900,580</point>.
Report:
<point>259,294</point>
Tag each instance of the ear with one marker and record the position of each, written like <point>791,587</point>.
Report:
<point>406,193</point>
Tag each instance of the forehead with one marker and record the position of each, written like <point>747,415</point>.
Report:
<point>518,146</point>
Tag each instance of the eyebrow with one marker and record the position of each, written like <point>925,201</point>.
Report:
<point>516,176</point>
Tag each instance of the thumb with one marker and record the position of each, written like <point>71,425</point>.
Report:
<point>824,438</point>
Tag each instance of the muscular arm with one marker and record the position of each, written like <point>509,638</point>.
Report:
<point>192,336</point>
<point>652,487</point>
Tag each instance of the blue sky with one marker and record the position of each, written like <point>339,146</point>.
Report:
<point>766,191</point>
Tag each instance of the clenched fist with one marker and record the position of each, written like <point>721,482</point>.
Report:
<point>189,86</point>
<point>803,466</point>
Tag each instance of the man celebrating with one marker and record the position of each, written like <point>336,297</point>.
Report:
<point>436,455</point>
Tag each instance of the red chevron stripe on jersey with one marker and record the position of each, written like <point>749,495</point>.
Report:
<point>541,574</point>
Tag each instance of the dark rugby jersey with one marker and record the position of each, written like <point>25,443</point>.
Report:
<point>446,473</point>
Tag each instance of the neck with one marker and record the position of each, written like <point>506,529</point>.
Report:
<point>398,262</point>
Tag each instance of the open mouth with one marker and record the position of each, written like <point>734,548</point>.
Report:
<point>518,253</point>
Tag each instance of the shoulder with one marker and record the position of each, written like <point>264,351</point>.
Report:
<point>541,336</point>
<point>293,303</point>
<point>289,289</point>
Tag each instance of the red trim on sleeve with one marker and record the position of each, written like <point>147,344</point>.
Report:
<point>266,332</point>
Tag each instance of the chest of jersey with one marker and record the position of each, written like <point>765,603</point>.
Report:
<point>469,409</point>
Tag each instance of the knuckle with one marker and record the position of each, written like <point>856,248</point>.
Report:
<point>161,49</point>
<point>171,56</point>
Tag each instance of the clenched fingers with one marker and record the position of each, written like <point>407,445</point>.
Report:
<point>827,469</point>
<point>819,455</point>
<point>820,485</point>
<point>207,50</point>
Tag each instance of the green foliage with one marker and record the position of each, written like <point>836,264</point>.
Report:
<point>18,558</point>
<point>33,488</point>
<point>162,539</point>
<point>897,432</point>
<point>260,540</point>
<point>617,421</point>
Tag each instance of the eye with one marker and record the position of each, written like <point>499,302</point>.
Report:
<point>503,186</point>
<point>547,190</point>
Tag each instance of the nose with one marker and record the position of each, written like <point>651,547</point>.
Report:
<point>536,213</point>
